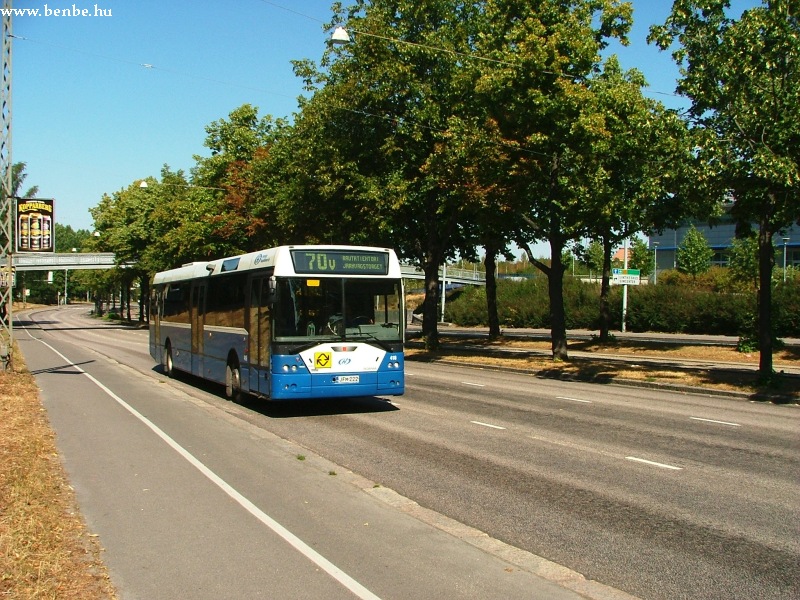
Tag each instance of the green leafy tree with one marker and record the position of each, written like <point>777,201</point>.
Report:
<point>593,256</point>
<point>67,238</point>
<point>743,266</point>
<point>225,186</point>
<point>642,257</point>
<point>390,116</point>
<point>694,253</point>
<point>743,78</point>
<point>18,177</point>
<point>539,103</point>
<point>635,161</point>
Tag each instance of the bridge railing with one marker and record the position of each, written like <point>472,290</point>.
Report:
<point>450,274</point>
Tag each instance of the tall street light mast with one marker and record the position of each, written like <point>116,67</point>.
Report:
<point>6,202</point>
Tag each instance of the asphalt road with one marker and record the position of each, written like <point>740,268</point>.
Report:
<point>661,495</point>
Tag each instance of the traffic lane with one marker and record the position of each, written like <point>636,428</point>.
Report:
<point>163,514</point>
<point>596,514</point>
<point>74,323</point>
<point>167,532</point>
<point>750,461</point>
<point>692,496</point>
<point>679,427</point>
<point>526,386</point>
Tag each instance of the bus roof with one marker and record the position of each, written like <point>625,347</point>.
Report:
<point>278,257</point>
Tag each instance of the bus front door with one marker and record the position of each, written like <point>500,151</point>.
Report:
<point>197,319</point>
<point>260,335</point>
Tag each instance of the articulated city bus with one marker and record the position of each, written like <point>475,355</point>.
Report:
<point>290,322</point>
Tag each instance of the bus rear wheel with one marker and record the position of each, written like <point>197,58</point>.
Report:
<point>168,364</point>
<point>233,381</point>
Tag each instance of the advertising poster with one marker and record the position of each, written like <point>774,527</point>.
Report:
<point>35,225</point>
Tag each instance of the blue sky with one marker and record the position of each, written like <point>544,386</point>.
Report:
<point>89,117</point>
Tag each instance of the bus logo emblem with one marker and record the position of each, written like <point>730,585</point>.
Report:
<point>322,360</point>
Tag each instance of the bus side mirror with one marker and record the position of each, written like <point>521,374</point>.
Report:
<point>272,291</point>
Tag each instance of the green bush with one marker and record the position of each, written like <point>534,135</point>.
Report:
<point>678,304</point>
<point>786,308</point>
<point>684,310</point>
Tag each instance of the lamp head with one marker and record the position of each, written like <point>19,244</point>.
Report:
<point>340,36</point>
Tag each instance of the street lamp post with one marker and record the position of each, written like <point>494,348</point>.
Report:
<point>655,263</point>
<point>785,241</point>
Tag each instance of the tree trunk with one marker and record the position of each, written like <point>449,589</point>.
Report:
<point>430,306</point>
<point>766,260</point>
<point>128,298</point>
<point>144,299</point>
<point>558,320</point>
<point>491,291</point>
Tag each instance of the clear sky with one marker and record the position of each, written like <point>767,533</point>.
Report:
<point>102,100</point>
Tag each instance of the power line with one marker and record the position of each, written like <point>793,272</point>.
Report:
<point>153,67</point>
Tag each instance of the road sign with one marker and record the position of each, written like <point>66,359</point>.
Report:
<point>8,279</point>
<point>625,276</point>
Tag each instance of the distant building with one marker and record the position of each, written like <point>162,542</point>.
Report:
<point>619,255</point>
<point>720,237</point>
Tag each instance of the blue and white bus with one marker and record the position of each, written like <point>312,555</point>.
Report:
<point>290,322</point>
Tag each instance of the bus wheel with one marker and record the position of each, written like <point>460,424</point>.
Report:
<point>233,381</point>
<point>169,367</point>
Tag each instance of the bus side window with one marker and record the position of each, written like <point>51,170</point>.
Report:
<point>176,304</point>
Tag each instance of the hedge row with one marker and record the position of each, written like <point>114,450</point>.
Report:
<point>660,308</point>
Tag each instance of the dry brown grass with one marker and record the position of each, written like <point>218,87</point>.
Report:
<point>45,549</point>
<point>650,362</point>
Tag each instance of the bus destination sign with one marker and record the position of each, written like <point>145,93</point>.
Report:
<point>340,262</point>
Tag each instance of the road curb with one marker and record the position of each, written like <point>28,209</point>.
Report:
<point>522,559</point>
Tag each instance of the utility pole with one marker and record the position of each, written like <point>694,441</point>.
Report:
<point>625,288</point>
<point>6,202</point>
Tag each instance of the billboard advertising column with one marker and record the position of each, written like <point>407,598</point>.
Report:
<point>35,225</point>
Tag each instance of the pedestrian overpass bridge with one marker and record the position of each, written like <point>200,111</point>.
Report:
<point>448,275</point>
<point>54,261</point>
<point>105,260</point>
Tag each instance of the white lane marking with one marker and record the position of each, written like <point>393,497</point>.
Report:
<point>573,399</point>
<point>294,541</point>
<point>654,464</point>
<point>487,425</point>
<point>473,384</point>
<point>714,421</point>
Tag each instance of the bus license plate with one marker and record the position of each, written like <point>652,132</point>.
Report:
<point>346,379</point>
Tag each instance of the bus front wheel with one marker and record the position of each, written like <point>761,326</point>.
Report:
<point>233,381</point>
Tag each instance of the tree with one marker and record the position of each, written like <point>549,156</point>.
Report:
<point>593,256</point>
<point>743,78</point>
<point>18,177</point>
<point>694,253</point>
<point>392,108</point>
<point>743,266</point>
<point>642,257</point>
<point>67,238</point>
<point>539,102</point>
<point>225,185</point>
<point>640,148</point>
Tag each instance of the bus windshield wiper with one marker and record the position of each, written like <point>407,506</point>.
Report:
<point>368,336</point>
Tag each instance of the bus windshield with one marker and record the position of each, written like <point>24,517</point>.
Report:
<point>308,309</point>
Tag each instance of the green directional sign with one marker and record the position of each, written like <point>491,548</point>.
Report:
<point>625,276</point>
